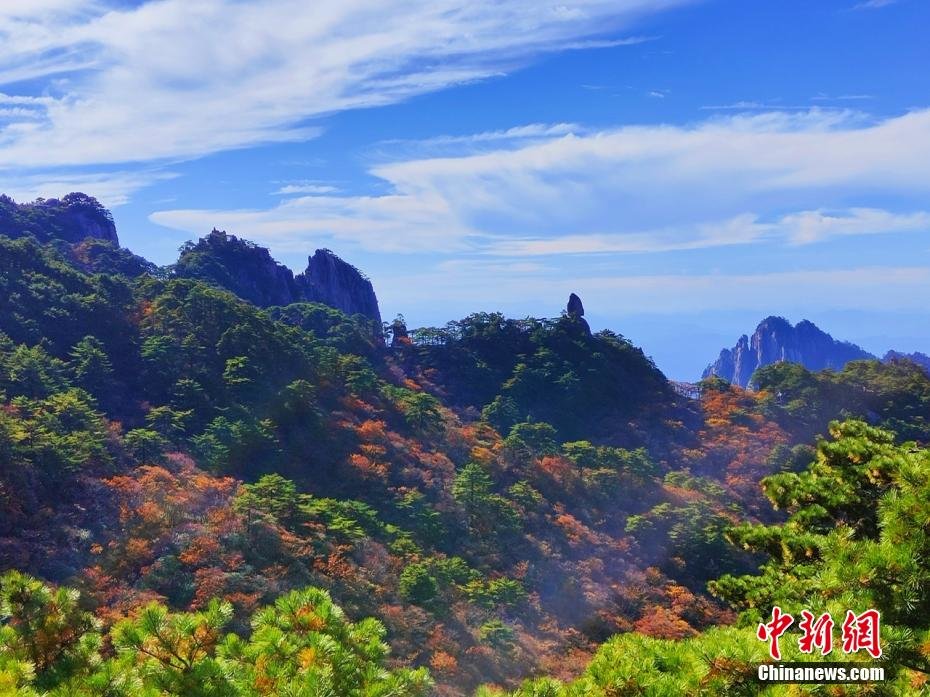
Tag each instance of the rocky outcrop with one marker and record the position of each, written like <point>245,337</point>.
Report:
<point>399,335</point>
<point>72,219</point>
<point>575,311</point>
<point>334,282</point>
<point>250,272</point>
<point>775,340</point>
<point>240,267</point>
<point>575,307</point>
<point>921,359</point>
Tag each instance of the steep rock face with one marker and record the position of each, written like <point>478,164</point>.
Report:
<point>250,272</point>
<point>72,219</point>
<point>775,340</point>
<point>238,266</point>
<point>334,282</point>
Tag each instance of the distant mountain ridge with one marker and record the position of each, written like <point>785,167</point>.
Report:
<point>776,340</point>
<point>921,359</point>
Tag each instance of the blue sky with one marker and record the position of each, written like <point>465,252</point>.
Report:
<point>687,167</point>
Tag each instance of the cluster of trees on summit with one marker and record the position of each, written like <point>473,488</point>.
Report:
<point>201,496</point>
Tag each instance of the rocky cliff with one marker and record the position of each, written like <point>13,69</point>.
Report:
<point>334,282</point>
<point>250,272</point>
<point>775,340</point>
<point>72,219</point>
<point>240,267</point>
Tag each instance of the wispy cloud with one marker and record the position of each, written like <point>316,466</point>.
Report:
<point>815,226</point>
<point>755,106</point>
<point>152,81</point>
<point>822,97</point>
<point>803,227</point>
<point>112,188</point>
<point>527,132</point>
<point>305,187</point>
<point>788,177</point>
<point>608,43</point>
<point>873,4</point>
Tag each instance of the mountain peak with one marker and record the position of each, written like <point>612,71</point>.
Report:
<point>249,271</point>
<point>335,282</point>
<point>239,266</point>
<point>776,340</point>
<point>72,218</point>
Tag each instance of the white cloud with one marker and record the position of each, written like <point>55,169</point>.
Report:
<point>800,177</point>
<point>804,227</point>
<point>180,79</point>
<point>112,188</point>
<point>814,226</point>
<point>382,223</point>
<point>758,106</point>
<point>305,187</point>
<point>742,229</point>
<point>538,131</point>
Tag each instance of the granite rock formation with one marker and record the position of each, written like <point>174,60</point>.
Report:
<point>575,311</point>
<point>240,267</point>
<point>72,219</point>
<point>334,282</point>
<point>775,340</point>
<point>250,272</point>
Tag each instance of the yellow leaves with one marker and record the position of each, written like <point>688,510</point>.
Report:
<point>482,455</point>
<point>308,619</point>
<point>307,658</point>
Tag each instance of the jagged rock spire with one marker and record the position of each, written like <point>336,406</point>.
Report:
<point>575,308</point>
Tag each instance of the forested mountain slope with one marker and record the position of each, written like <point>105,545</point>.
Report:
<point>502,495</point>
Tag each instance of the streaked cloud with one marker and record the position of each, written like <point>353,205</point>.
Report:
<point>797,178</point>
<point>112,188</point>
<point>173,79</point>
<point>873,4</point>
<point>305,187</point>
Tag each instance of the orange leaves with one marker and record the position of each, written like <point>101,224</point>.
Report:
<point>557,467</point>
<point>368,467</point>
<point>662,623</point>
<point>372,431</point>
<point>442,662</point>
<point>211,583</point>
<point>137,552</point>
<point>576,531</point>
<point>202,549</point>
<point>335,563</point>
